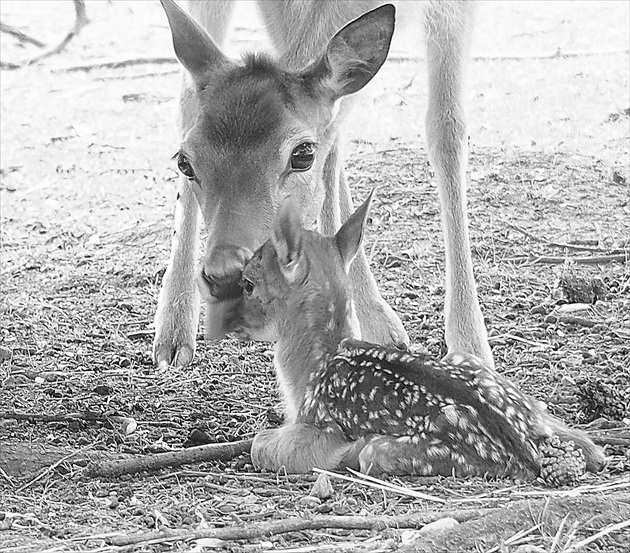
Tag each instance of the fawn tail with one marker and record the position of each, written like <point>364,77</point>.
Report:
<point>593,454</point>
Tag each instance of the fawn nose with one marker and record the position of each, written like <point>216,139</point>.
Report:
<point>222,269</point>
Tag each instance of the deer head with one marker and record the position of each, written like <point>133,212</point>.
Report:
<point>300,274</point>
<point>254,133</point>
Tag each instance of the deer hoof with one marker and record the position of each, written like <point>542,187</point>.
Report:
<point>166,356</point>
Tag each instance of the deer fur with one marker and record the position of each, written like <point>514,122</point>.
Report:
<point>235,192</point>
<point>362,405</point>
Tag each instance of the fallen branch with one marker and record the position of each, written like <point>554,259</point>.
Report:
<point>146,60</point>
<point>564,245</point>
<point>573,320</point>
<point>116,64</point>
<point>209,452</point>
<point>68,417</point>
<point>558,54</point>
<point>298,524</point>
<point>594,260</point>
<point>138,76</point>
<point>80,21</point>
<point>20,35</point>
<point>611,440</point>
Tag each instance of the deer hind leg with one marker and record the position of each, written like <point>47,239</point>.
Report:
<point>300,447</point>
<point>448,31</point>
<point>177,315</point>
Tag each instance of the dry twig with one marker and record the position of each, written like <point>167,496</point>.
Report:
<point>80,21</point>
<point>209,452</point>
<point>115,64</point>
<point>564,245</point>
<point>20,35</point>
<point>297,524</point>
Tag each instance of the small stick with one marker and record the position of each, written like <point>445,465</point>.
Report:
<point>52,467</point>
<point>557,55</point>
<point>615,258</point>
<point>208,452</point>
<point>382,486</point>
<point>116,64</point>
<point>594,260</point>
<point>297,524</point>
<point>80,21</point>
<point>561,244</point>
<point>21,36</point>
<point>608,530</point>
<point>571,319</point>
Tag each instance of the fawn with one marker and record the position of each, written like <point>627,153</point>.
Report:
<point>355,404</point>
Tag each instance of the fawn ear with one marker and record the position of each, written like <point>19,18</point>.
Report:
<point>194,48</point>
<point>286,238</point>
<point>349,236</point>
<point>356,53</point>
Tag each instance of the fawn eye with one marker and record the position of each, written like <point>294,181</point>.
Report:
<point>302,156</point>
<point>183,164</point>
<point>247,286</point>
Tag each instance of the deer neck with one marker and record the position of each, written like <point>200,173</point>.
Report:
<point>314,325</point>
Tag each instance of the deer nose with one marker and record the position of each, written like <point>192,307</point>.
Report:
<point>222,270</point>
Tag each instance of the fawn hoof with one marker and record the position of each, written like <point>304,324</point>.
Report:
<point>379,456</point>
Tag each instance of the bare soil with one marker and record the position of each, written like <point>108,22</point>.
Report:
<point>86,205</point>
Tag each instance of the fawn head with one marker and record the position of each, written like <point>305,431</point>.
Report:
<point>254,132</point>
<point>300,274</point>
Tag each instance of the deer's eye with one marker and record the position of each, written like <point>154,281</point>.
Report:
<point>247,286</point>
<point>183,164</point>
<point>303,156</point>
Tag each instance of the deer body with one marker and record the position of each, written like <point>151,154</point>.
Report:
<point>368,406</point>
<point>249,130</point>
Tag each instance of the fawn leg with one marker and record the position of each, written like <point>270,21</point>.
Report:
<point>401,455</point>
<point>379,323</point>
<point>177,315</point>
<point>448,33</point>
<point>301,447</point>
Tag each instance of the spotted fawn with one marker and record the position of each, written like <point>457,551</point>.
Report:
<point>355,404</point>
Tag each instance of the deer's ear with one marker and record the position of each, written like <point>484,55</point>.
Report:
<point>193,46</point>
<point>287,240</point>
<point>349,236</point>
<point>356,53</point>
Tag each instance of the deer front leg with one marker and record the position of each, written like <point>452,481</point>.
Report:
<point>299,448</point>
<point>177,314</point>
<point>447,34</point>
<point>378,321</point>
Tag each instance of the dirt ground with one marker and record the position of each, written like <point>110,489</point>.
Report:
<point>86,196</point>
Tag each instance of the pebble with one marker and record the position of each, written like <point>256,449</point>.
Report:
<point>322,488</point>
<point>439,525</point>
<point>309,501</point>
<point>5,353</point>
<point>527,548</point>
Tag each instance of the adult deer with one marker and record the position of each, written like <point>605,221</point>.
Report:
<point>351,403</point>
<point>255,131</point>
